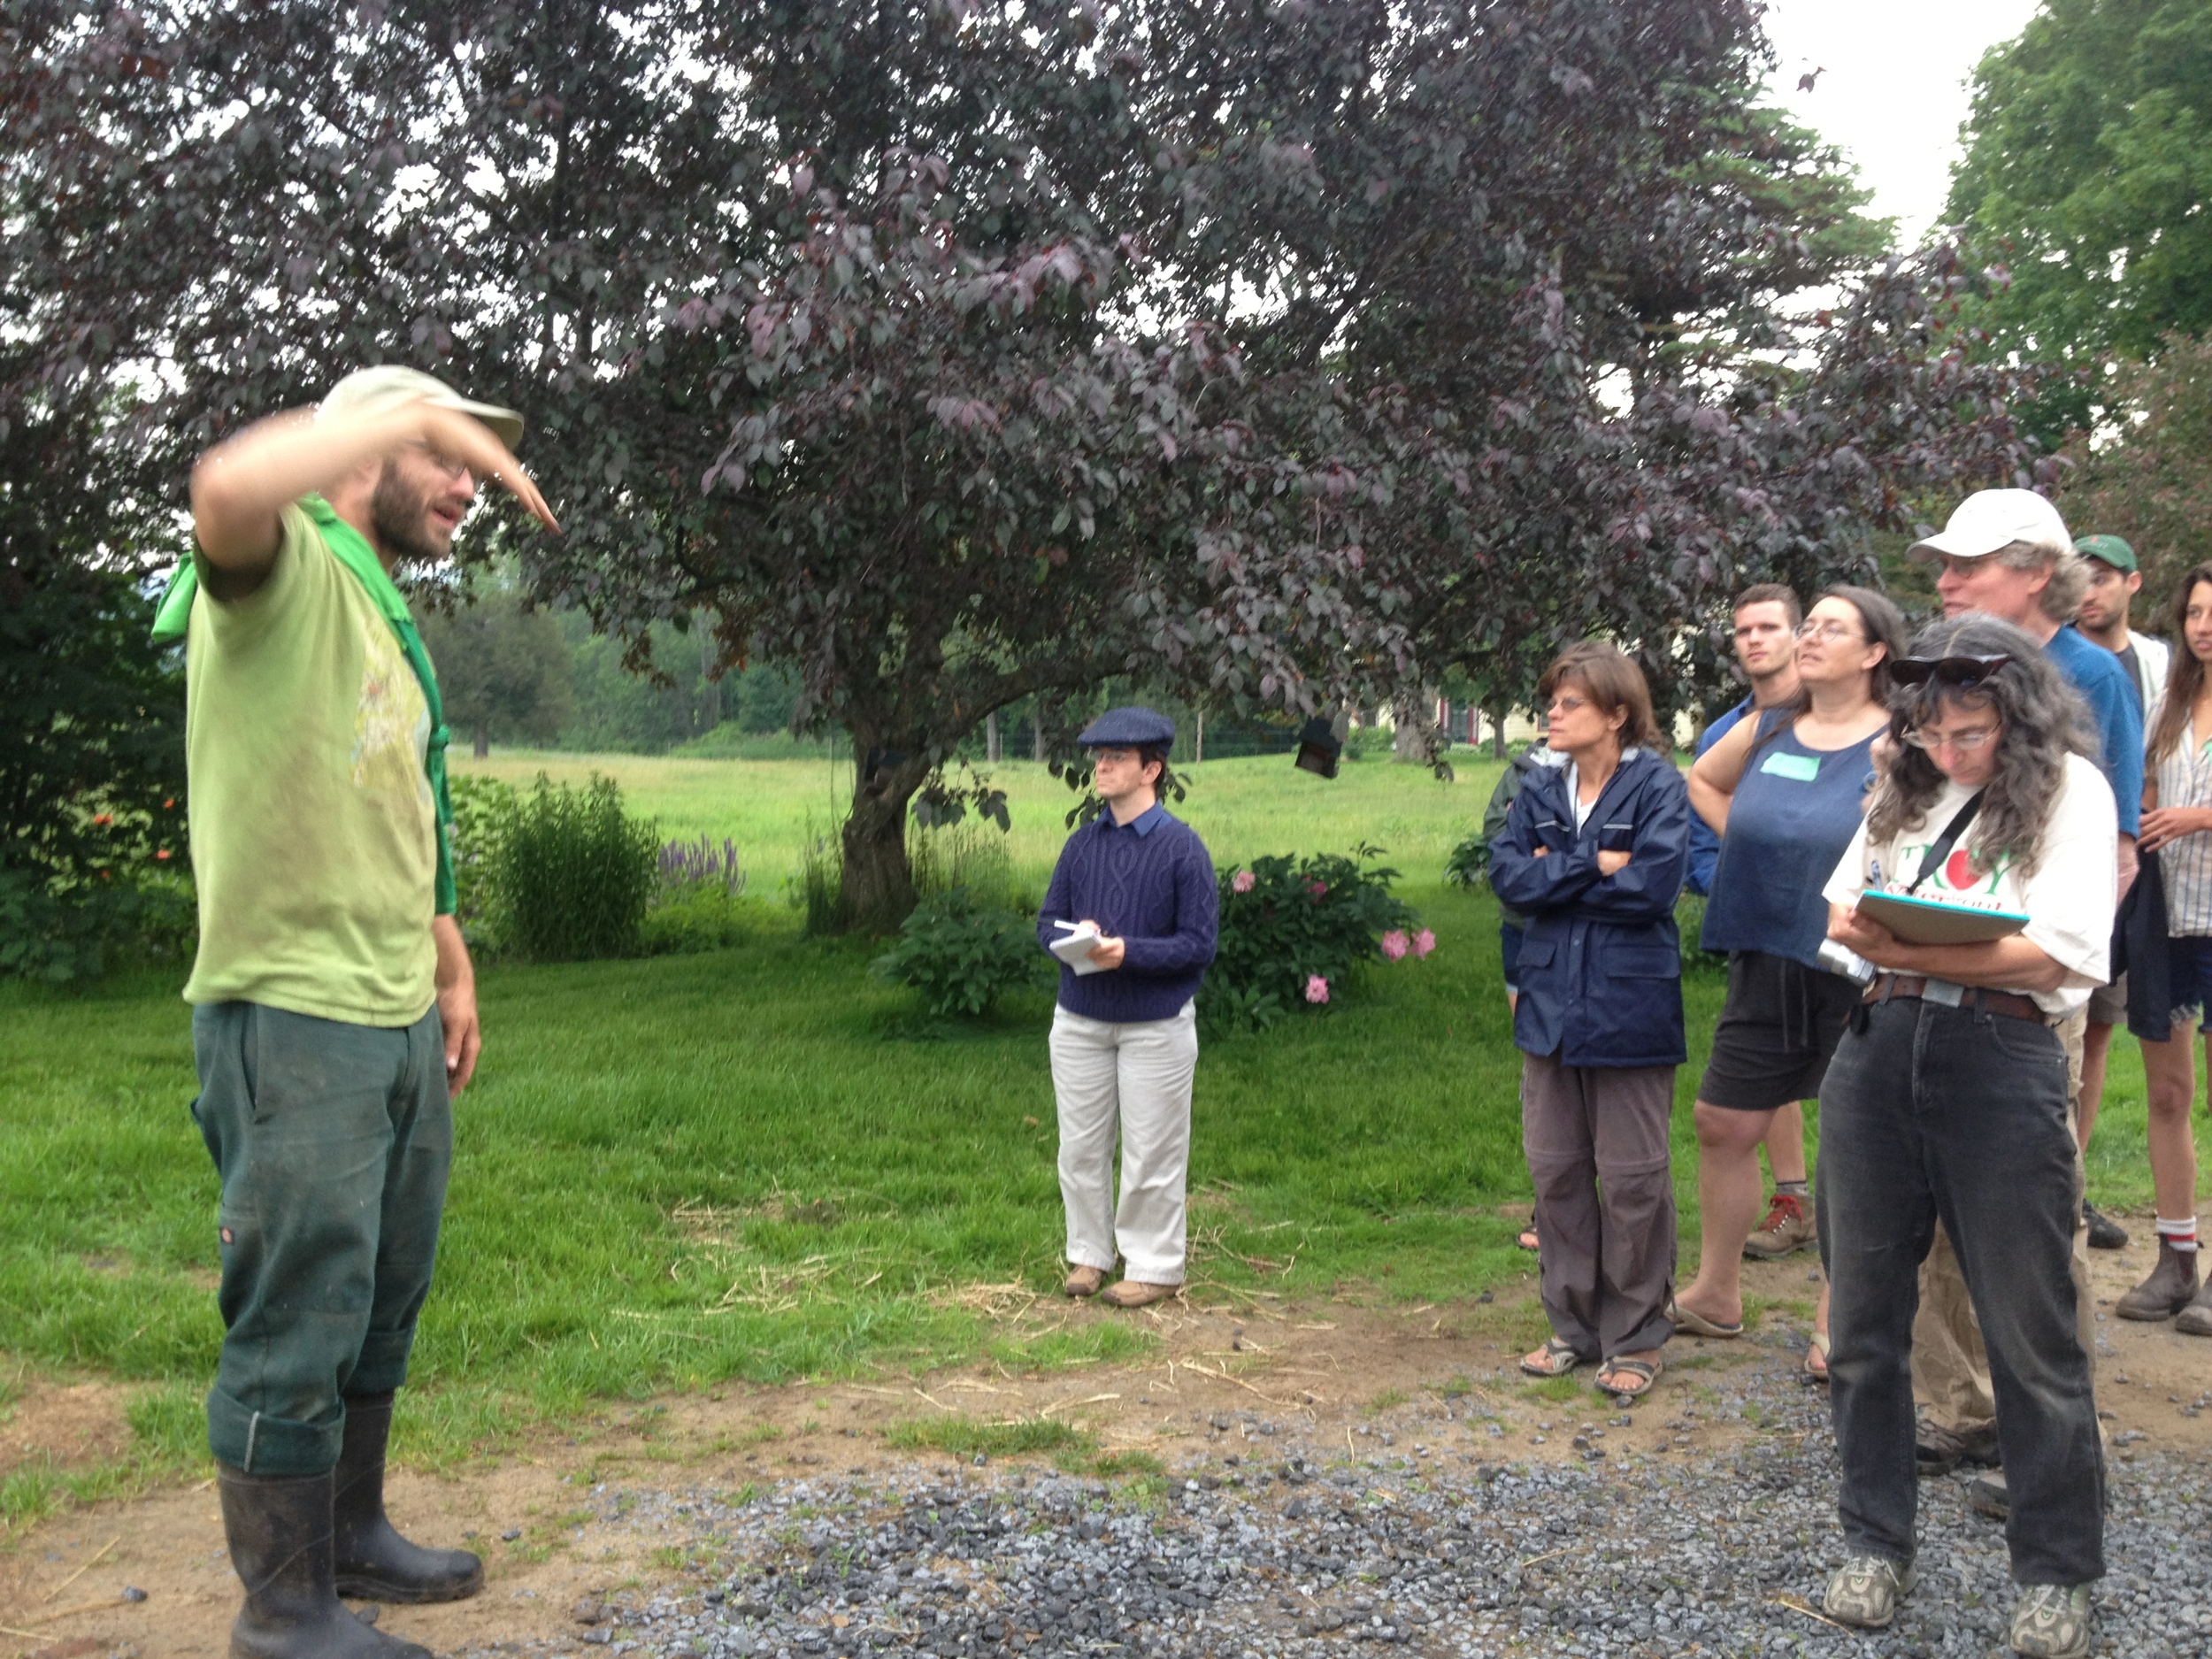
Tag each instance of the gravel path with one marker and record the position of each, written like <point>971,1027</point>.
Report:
<point>1445,1547</point>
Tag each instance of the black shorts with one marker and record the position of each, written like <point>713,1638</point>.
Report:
<point>1778,1032</point>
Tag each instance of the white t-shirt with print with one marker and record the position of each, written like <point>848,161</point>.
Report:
<point>2068,901</point>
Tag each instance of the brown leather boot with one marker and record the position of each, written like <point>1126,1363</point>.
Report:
<point>2171,1286</point>
<point>2196,1318</point>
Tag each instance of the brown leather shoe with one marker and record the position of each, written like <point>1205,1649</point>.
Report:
<point>1082,1281</point>
<point>2171,1286</point>
<point>1133,1292</point>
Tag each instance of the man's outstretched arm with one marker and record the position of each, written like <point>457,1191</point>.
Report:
<point>241,486</point>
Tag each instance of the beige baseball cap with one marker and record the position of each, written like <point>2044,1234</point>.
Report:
<point>1990,520</point>
<point>389,385</point>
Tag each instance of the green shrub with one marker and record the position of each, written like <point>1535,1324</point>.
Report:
<point>484,810</point>
<point>59,931</point>
<point>1689,921</point>
<point>683,924</point>
<point>572,874</point>
<point>962,953</point>
<point>1292,929</point>
<point>819,887</point>
<point>1469,864</point>
<point>971,855</point>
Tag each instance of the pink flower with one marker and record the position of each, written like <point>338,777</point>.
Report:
<point>1423,942</point>
<point>1393,944</point>
<point>1317,887</point>
<point>1317,988</point>
<point>1243,881</point>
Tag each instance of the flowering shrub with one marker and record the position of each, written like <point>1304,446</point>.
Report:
<point>961,953</point>
<point>691,867</point>
<point>1291,930</point>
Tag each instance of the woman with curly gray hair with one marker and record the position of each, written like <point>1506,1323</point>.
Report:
<point>1947,1102</point>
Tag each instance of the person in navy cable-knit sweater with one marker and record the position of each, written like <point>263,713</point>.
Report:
<point>1125,1037</point>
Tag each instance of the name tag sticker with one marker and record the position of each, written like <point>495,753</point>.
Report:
<point>1798,768</point>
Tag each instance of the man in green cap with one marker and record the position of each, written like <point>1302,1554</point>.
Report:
<point>334,1005</point>
<point>2114,580</point>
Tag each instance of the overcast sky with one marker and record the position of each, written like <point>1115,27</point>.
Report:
<point>1894,87</point>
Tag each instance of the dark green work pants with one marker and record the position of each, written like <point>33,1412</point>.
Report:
<point>333,1141</point>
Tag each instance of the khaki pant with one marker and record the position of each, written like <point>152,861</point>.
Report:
<point>1130,1080</point>
<point>1596,1143</point>
<point>1950,1367</point>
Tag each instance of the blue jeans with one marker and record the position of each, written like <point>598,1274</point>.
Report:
<point>333,1141</point>
<point>1934,1112</point>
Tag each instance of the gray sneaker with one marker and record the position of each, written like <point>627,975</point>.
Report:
<point>2052,1621</point>
<point>1865,1589</point>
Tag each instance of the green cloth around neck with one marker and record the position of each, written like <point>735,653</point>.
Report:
<point>351,550</point>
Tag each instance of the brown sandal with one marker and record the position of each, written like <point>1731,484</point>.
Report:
<point>1644,1371</point>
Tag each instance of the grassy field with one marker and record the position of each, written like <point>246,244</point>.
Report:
<point>762,1164</point>
<point>772,809</point>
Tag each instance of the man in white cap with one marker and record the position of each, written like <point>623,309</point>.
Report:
<point>334,1005</point>
<point>2006,552</point>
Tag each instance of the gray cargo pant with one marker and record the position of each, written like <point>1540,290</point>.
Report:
<point>1596,1141</point>
<point>333,1141</point>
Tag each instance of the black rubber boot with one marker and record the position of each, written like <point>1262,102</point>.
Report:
<point>279,1527</point>
<point>374,1561</point>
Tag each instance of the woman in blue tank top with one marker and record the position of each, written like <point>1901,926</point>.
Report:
<point>1783,794</point>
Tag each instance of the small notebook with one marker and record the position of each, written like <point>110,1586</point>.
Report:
<point>1075,949</point>
<point>1933,922</point>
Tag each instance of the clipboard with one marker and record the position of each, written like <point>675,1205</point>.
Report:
<point>1932,922</point>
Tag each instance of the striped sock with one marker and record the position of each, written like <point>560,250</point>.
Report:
<point>2181,1234</point>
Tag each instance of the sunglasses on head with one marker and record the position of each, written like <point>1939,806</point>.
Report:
<point>1960,671</point>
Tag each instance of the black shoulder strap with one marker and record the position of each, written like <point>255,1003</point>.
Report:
<point>1949,838</point>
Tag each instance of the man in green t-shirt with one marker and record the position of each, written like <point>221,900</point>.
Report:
<point>334,1005</point>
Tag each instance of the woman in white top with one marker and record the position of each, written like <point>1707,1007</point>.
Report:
<point>1948,1100</point>
<point>2177,826</point>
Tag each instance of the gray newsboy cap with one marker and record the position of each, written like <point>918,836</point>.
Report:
<point>1129,728</point>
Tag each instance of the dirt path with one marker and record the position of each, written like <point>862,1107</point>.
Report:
<point>1233,1381</point>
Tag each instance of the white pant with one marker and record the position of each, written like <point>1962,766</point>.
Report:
<point>1136,1078</point>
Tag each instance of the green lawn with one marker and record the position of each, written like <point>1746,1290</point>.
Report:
<point>772,808</point>
<point>760,1163</point>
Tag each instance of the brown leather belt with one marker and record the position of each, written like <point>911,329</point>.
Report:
<point>1890,987</point>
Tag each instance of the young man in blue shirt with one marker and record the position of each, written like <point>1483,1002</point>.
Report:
<point>1125,1036</point>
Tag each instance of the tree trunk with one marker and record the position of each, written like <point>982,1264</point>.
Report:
<point>877,892</point>
<point>483,744</point>
<point>991,751</point>
<point>1406,737</point>
<point>1037,729</point>
<point>1497,730</point>
<point>1198,758</point>
<point>710,682</point>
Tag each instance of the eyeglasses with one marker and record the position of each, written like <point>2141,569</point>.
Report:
<point>1567,705</point>
<point>1965,742</point>
<point>444,463</point>
<point>1960,672</point>
<point>1827,631</point>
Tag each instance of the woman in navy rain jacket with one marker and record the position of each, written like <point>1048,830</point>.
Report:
<point>1593,854</point>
